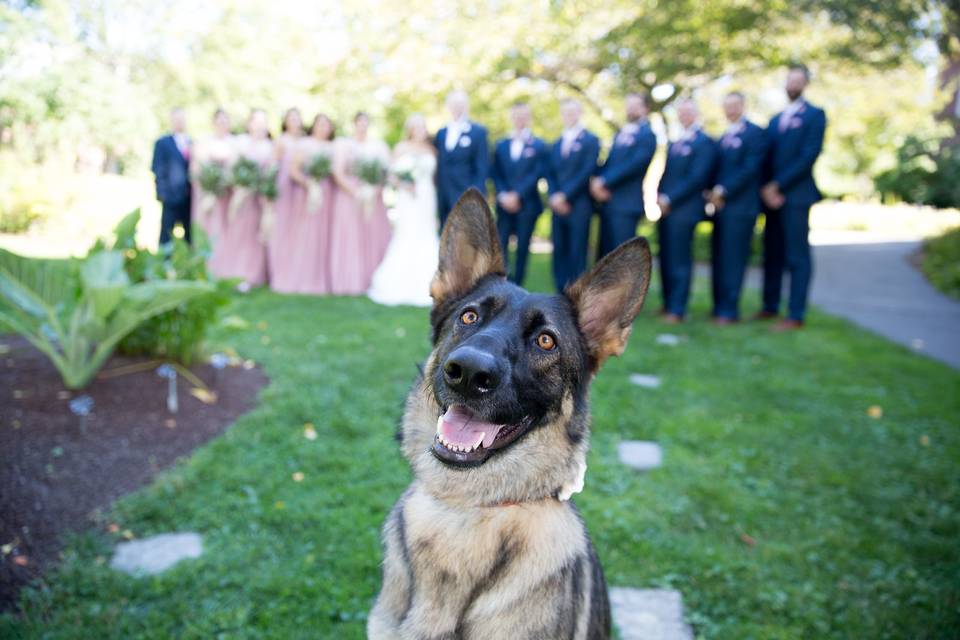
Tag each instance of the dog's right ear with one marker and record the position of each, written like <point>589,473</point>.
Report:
<point>609,297</point>
<point>469,249</point>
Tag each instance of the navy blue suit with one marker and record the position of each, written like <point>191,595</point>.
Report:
<point>172,172</point>
<point>792,154</point>
<point>520,175</point>
<point>623,173</point>
<point>740,157</point>
<point>463,167</point>
<point>570,175</point>
<point>689,172</point>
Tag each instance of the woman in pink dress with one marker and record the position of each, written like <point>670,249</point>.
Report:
<point>210,210</point>
<point>307,255</point>
<point>240,252</point>
<point>289,214</point>
<point>360,230</point>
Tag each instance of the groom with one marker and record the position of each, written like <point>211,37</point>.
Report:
<point>170,166</point>
<point>461,155</point>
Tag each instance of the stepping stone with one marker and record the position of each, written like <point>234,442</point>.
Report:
<point>649,614</point>
<point>154,555</point>
<point>668,339</point>
<point>640,455</point>
<point>645,380</point>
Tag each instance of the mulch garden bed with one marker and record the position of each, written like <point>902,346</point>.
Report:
<point>54,476</point>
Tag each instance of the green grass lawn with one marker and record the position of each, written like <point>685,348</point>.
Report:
<point>783,510</point>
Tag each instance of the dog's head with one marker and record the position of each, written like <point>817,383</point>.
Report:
<point>501,413</point>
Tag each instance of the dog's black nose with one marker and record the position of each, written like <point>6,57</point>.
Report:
<point>471,372</point>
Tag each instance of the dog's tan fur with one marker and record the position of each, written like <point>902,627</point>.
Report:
<point>490,552</point>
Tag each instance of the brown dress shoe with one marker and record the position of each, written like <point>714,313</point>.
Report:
<point>671,318</point>
<point>787,325</point>
<point>764,315</point>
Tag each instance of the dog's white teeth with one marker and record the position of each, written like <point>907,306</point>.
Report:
<point>439,425</point>
<point>479,440</point>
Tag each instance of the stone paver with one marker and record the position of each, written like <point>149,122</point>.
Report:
<point>649,614</point>
<point>645,380</point>
<point>156,554</point>
<point>639,454</point>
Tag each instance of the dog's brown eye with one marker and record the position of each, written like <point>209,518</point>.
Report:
<point>546,342</point>
<point>469,317</point>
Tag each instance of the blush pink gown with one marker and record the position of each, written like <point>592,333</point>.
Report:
<point>239,251</point>
<point>358,239</point>
<point>283,255</point>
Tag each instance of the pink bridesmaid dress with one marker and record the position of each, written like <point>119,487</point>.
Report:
<point>358,238</point>
<point>239,252</point>
<point>313,246</point>
<point>284,250</point>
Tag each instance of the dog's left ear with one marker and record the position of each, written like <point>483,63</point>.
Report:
<point>469,249</point>
<point>609,297</point>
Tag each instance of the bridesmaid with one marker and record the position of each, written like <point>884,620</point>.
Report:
<point>359,234</point>
<point>307,258</point>
<point>288,209</point>
<point>240,252</point>
<point>209,212</point>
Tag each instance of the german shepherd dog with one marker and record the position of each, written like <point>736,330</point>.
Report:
<point>485,543</point>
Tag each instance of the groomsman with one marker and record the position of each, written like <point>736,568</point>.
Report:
<point>573,159</point>
<point>618,185</point>
<point>796,139</point>
<point>461,155</point>
<point>687,176</point>
<point>519,162</point>
<point>171,169</point>
<point>736,201</point>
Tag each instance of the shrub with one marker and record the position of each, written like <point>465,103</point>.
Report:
<point>926,173</point>
<point>941,262</point>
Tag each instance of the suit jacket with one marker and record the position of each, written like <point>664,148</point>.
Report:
<point>740,160</point>
<point>570,175</point>
<point>171,170</point>
<point>625,168</point>
<point>793,153</point>
<point>521,175</point>
<point>463,167</point>
<point>689,172</point>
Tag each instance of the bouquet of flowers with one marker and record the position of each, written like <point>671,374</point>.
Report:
<point>373,174</point>
<point>404,170</point>
<point>244,176</point>
<point>214,182</point>
<point>267,188</point>
<point>318,169</point>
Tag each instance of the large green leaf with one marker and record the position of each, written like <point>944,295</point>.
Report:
<point>104,281</point>
<point>125,233</point>
<point>47,283</point>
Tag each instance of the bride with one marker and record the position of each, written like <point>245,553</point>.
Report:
<point>404,275</point>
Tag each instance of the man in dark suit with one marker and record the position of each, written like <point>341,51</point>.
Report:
<point>796,139</point>
<point>618,185</point>
<point>171,168</point>
<point>518,164</point>
<point>688,174</point>
<point>462,155</point>
<point>736,200</point>
<point>573,159</point>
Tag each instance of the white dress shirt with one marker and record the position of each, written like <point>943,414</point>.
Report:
<point>517,143</point>
<point>567,138</point>
<point>454,130</point>
<point>788,114</point>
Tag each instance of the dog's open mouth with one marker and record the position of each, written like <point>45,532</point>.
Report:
<point>463,439</point>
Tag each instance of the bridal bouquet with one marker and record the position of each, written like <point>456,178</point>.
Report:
<point>245,177</point>
<point>373,174</point>
<point>214,182</point>
<point>318,169</point>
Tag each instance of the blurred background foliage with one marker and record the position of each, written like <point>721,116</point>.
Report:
<point>85,85</point>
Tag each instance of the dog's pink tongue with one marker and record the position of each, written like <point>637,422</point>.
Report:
<point>462,428</point>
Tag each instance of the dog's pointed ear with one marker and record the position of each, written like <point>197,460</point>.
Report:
<point>609,297</point>
<point>469,248</point>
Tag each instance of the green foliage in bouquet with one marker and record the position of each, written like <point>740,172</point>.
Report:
<point>267,183</point>
<point>77,311</point>
<point>320,166</point>
<point>404,175</point>
<point>371,171</point>
<point>245,173</point>
<point>213,178</point>
<point>177,334</point>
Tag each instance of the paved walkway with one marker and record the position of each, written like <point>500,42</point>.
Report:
<point>868,279</point>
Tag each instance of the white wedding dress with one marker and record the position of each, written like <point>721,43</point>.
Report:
<point>404,275</point>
